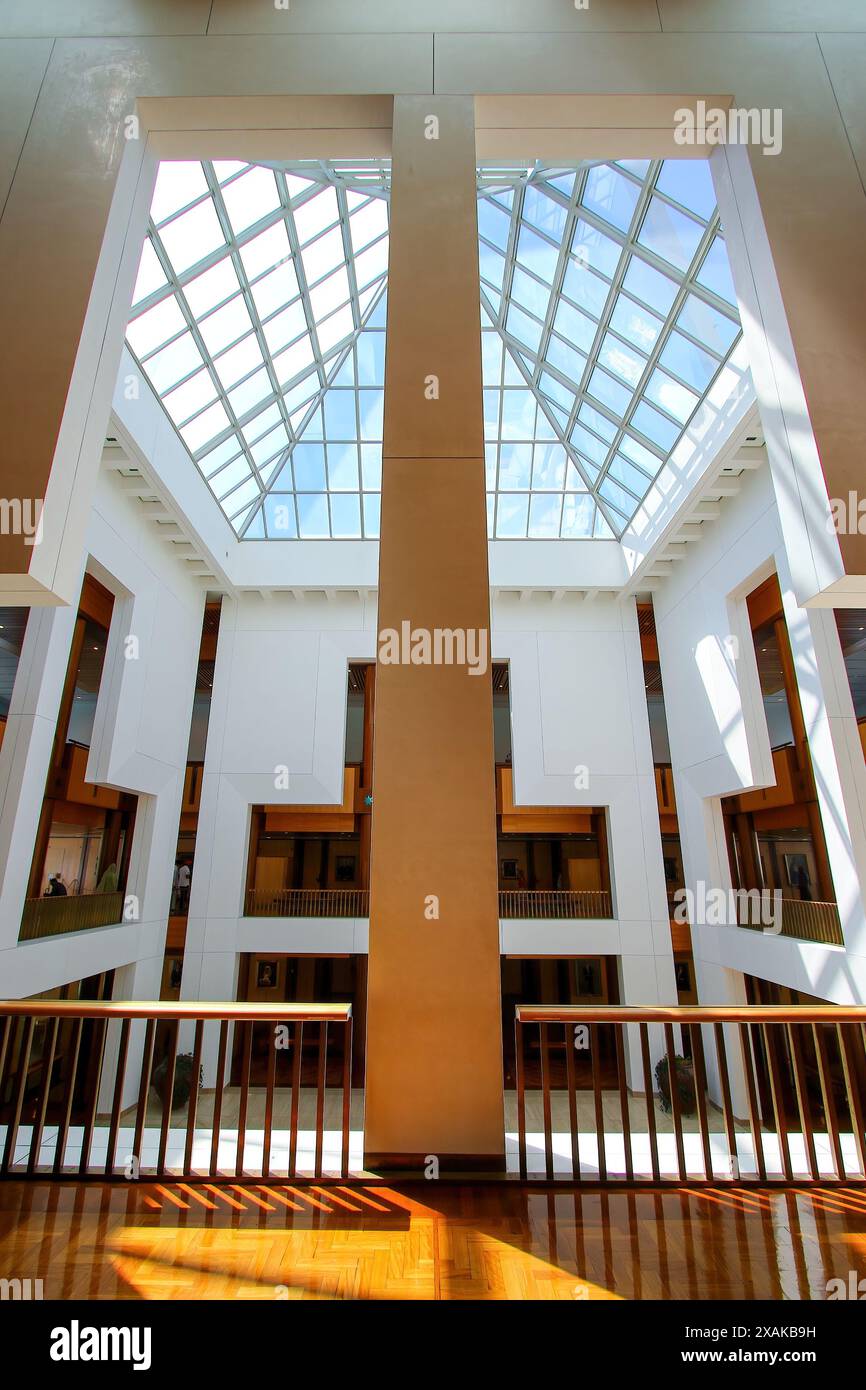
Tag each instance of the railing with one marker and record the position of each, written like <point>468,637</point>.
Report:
<point>109,1089</point>
<point>787,1100</point>
<point>57,916</point>
<point>811,921</point>
<point>556,904</point>
<point>308,902</point>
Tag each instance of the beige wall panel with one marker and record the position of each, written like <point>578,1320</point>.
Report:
<point>761,16</point>
<point>103,18</point>
<point>845,56</point>
<point>419,16</point>
<point>434,1064</point>
<point>22,67</point>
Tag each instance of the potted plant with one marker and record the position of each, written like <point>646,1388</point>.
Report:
<point>685,1081</point>
<point>183,1078</point>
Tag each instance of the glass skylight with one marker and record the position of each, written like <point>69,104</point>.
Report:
<point>608,311</point>
<point>607,314</point>
<point>259,320</point>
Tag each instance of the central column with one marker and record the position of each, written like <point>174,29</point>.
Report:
<point>434,1041</point>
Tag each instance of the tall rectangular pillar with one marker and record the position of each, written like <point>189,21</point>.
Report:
<point>434,1043</point>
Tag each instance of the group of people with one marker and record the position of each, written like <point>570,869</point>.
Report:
<point>58,889</point>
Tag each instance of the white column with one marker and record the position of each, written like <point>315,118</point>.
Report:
<point>837,757</point>
<point>26,755</point>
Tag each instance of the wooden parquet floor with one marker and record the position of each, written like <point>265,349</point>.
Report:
<point>420,1241</point>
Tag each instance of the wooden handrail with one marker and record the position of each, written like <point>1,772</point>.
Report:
<point>95,1087</point>
<point>164,1010</point>
<point>690,1013</point>
<point>786,1103</point>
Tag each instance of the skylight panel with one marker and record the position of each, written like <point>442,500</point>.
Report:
<point>607,324</point>
<point>715,273</point>
<point>670,234</point>
<point>611,195</point>
<point>689,182</point>
<point>192,236</point>
<point>151,275</point>
<point>178,184</point>
<point>250,198</point>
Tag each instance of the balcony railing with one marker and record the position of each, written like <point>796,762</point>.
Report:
<point>59,916</point>
<point>109,1089</point>
<point>308,902</point>
<point>807,921</point>
<point>787,1104</point>
<point>553,905</point>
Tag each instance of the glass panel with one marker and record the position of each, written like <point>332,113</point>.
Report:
<point>611,195</point>
<point>178,183</point>
<point>151,275</point>
<point>591,247</point>
<point>708,324</point>
<point>672,397</point>
<point>648,284</point>
<point>689,182</point>
<point>192,236</point>
<point>250,198</point>
<point>545,511</point>
<point>715,273</point>
<point>670,234</point>
<point>689,362</point>
<point>636,324</point>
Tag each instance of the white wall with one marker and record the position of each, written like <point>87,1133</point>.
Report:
<point>279,701</point>
<point>139,745</point>
<point>720,744</point>
<point>578,701</point>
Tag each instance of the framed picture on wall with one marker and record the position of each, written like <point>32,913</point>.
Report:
<point>344,868</point>
<point>266,974</point>
<point>509,868</point>
<point>797,872</point>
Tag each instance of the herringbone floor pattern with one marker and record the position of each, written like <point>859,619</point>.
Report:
<point>501,1241</point>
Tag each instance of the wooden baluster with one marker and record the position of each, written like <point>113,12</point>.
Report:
<point>778,1100</point>
<point>167,1097</point>
<point>44,1093</point>
<point>298,1040</point>
<point>192,1112</point>
<point>832,1118</point>
<point>213,1170</point>
<point>544,1042</point>
<point>751,1092</point>
<point>571,1082</point>
<point>727,1106</point>
<point>623,1101</point>
<point>676,1108</point>
<point>99,1031</point>
<point>321,1079</point>
<point>247,1030</point>
<point>117,1099</point>
<point>347,1095</point>
<point>269,1100</point>
<point>520,1086</point>
<point>700,1072</point>
<point>852,1087</point>
<point>801,1087</point>
<point>18,1104</point>
<point>598,1100</point>
<point>649,1095</point>
<point>70,1096</point>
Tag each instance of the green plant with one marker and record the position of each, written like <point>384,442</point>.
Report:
<point>183,1075</point>
<point>685,1078</point>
